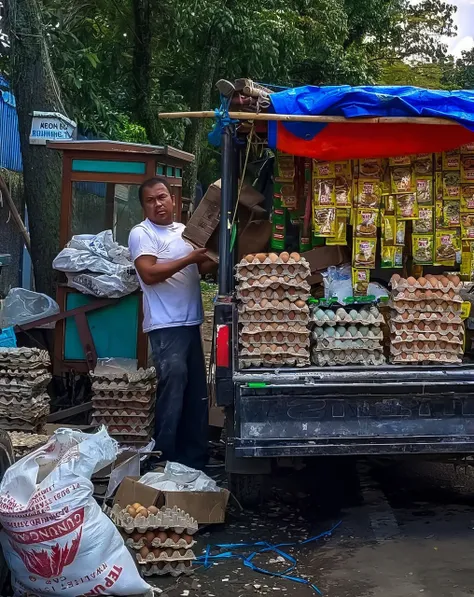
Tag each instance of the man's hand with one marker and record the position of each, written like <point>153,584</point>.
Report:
<point>198,256</point>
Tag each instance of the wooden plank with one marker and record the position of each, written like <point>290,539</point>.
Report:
<point>61,415</point>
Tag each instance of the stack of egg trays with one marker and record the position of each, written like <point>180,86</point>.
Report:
<point>425,322</point>
<point>273,314</point>
<point>347,336</point>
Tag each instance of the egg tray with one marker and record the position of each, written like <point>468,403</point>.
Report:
<point>137,545</point>
<point>12,383</point>
<point>417,316</point>
<point>425,307</point>
<point>26,356</point>
<point>27,414</point>
<point>336,344</point>
<point>375,334</point>
<point>263,327</point>
<point>26,374</point>
<point>290,261</point>
<point>164,557</point>
<point>134,377</point>
<point>425,337</point>
<point>402,284</point>
<point>246,272</point>
<point>409,348</point>
<point>126,395</point>
<point>135,416</point>
<point>254,340</point>
<point>27,441</point>
<point>274,305</point>
<point>173,569</point>
<point>454,330</point>
<point>264,284</point>
<point>123,405</point>
<point>33,426</point>
<point>127,430</point>
<point>277,362</point>
<point>144,389</point>
<point>450,359</point>
<point>351,357</point>
<point>271,295</point>
<point>20,400</point>
<point>410,297</point>
<point>273,315</point>
<point>167,518</point>
<point>371,319</point>
<point>262,351</point>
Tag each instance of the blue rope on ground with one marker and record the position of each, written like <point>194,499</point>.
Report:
<point>208,558</point>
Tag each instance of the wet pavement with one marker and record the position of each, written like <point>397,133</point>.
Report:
<point>407,527</point>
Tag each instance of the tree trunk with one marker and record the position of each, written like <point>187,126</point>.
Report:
<point>36,88</point>
<point>145,106</point>
<point>10,238</point>
<point>201,100</point>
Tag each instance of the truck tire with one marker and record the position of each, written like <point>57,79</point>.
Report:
<point>248,489</point>
<point>6,459</point>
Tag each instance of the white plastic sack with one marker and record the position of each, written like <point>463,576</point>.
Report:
<point>55,537</point>
<point>22,306</point>
<point>178,477</point>
<point>102,285</point>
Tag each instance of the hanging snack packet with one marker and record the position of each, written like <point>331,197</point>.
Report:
<point>370,168</point>
<point>341,229</point>
<point>439,214</point>
<point>424,224</point>
<point>439,186</point>
<point>402,180</point>
<point>400,160</point>
<point>343,192</point>
<point>451,214</point>
<point>467,261</point>
<point>389,230</point>
<point>446,247</point>
<point>391,257</point>
<point>422,249</point>
<point>467,197</point>
<point>424,190</point>
<point>406,206</point>
<point>467,168</point>
<point>363,252</point>
<point>451,160</point>
<point>288,196</point>
<point>451,185</point>
<point>366,222</point>
<point>325,193</point>
<point>324,169</point>
<point>285,167</point>
<point>400,234</point>
<point>360,281</point>
<point>423,164</point>
<point>324,221</point>
<point>467,226</point>
<point>467,148</point>
<point>389,204</point>
<point>369,194</point>
<point>343,169</point>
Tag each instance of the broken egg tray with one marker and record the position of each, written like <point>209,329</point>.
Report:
<point>350,357</point>
<point>320,333</point>
<point>167,518</point>
<point>409,348</point>
<point>255,340</point>
<point>156,543</point>
<point>164,557</point>
<point>290,261</point>
<point>408,316</point>
<point>422,327</point>
<point>262,351</point>
<point>273,316</point>
<point>274,305</point>
<point>352,344</point>
<point>425,307</point>
<point>273,362</point>
<point>449,359</point>
<point>402,284</point>
<point>264,284</point>
<point>182,568</point>
<point>426,337</point>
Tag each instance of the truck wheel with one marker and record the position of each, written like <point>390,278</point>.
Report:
<point>6,459</point>
<point>248,489</point>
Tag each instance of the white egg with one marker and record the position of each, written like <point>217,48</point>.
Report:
<point>353,314</point>
<point>352,330</point>
<point>331,314</point>
<point>329,332</point>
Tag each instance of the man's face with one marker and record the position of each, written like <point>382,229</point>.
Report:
<point>158,204</point>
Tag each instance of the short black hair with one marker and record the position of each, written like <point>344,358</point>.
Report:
<point>151,182</point>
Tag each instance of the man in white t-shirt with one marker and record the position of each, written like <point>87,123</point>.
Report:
<point>169,272</point>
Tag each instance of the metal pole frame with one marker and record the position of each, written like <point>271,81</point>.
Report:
<point>227,193</point>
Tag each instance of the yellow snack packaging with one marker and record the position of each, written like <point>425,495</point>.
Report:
<point>467,197</point>
<point>451,160</point>
<point>423,164</point>
<point>424,190</point>
<point>360,281</point>
<point>366,222</point>
<point>340,237</point>
<point>324,221</point>
<point>370,168</point>
<point>451,214</point>
<point>363,253</point>
<point>451,185</point>
<point>467,168</point>
<point>324,169</point>
<point>400,233</point>
<point>389,230</point>
<point>402,180</point>
<point>389,204</point>
<point>369,194</point>
<point>391,257</point>
<point>400,160</point>
<point>325,193</point>
<point>285,167</point>
<point>467,226</point>
<point>446,247</point>
<point>422,248</point>
<point>424,223</point>
<point>406,206</point>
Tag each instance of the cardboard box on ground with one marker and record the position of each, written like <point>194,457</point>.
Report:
<point>202,230</point>
<point>207,507</point>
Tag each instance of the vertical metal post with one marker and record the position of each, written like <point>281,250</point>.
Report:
<point>225,282</point>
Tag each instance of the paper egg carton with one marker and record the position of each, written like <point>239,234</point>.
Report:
<point>176,556</point>
<point>271,295</point>
<point>145,399</point>
<point>139,415</point>
<point>115,428</point>
<point>26,374</point>
<point>24,356</point>
<point>124,388</point>
<point>289,327</point>
<point>171,568</point>
<point>435,297</point>
<point>427,327</point>
<point>256,271</point>
<point>29,441</point>
<point>260,351</point>
<point>450,359</point>
<point>273,259</point>
<point>26,414</point>
<point>430,284</point>
<point>123,405</point>
<point>167,518</point>
<point>274,304</point>
<point>426,337</point>
<point>129,378</point>
<point>408,316</point>
<point>433,348</point>
<point>349,357</point>
<point>425,307</point>
<point>341,316</point>
<point>13,383</point>
<point>273,315</point>
<point>264,283</point>
<point>373,333</point>
<point>33,426</point>
<point>275,361</point>
<point>350,344</point>
<point>156,543</point>
<point>271,338</point>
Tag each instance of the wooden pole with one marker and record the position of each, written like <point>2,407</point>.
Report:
<point>311,118</point>
<point>16,216</point>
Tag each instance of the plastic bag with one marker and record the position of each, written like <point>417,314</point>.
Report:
<point>103,285</point>
<point>55,537</point>
<point>22,306</point>
<point>178,477</point>
<point>338,282</point>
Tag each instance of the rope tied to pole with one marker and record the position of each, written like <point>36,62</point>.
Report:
<point>223,119</point>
